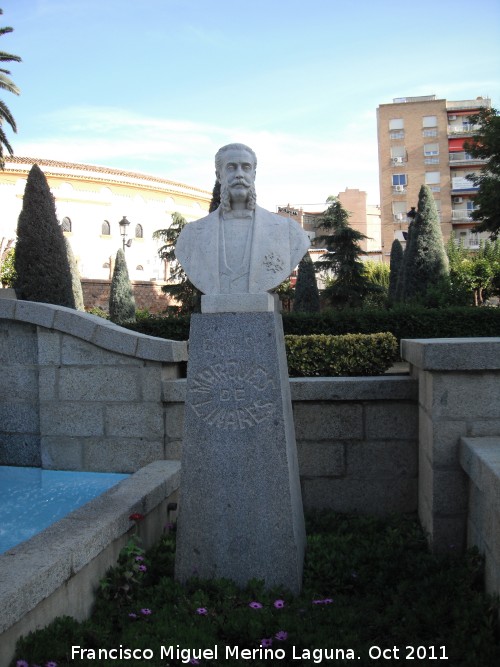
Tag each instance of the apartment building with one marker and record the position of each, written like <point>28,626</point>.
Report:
<point>421,141</point>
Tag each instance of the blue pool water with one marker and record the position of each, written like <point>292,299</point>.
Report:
<point>31,499</point>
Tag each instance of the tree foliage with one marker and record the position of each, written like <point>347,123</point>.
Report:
<point>485,144</point>
<point>7,84</point>
<point>306,288</point>
<point>181,288</point>
<point>215,202</point>
<point>348,285</point>
<point>7,268</point>
<point>396,262</point>
<point>41,261</point>
<point>425,263</point>
<point>76,283</point>
<point>475,273</point>
<point>121,298</point>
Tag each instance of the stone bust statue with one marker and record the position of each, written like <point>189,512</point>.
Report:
<point>240,248</point>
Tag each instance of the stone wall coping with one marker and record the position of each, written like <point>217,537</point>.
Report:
<point>480,458</point>
<point>32,570</point>
<point>452,354</point>
<point>326,389</point>
<point>94,329</point>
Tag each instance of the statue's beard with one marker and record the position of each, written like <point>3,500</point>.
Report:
<point>225,198</point>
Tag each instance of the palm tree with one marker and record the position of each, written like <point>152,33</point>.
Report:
<point>6,84</point>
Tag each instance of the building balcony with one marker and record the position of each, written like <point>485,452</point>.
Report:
<point>460,184</point>
<point>461,215</point>
<point>462,158</point>
<point>462,128</point>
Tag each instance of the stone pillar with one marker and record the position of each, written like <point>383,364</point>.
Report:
<point>240,509</point>
<point>459,395</point>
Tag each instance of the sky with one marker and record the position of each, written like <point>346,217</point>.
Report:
<point>157,86</point>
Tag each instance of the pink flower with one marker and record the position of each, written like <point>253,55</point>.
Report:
<point>265,643</point>
<point>281,635</point>
<point>202,611</point>
<point>325,601</point>
<point>279,604</point>
<point>132,615</point>
<point>255,605</point>
<point>51,664</point>
<point>139,558</point>
<point>22,663</point>
<point>146,612</point>
<point>142,568</point>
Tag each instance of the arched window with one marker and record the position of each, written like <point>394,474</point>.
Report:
<point>138,232</point>
<point>139,267</point>
<point>66,224</point>
<point>106,228</point>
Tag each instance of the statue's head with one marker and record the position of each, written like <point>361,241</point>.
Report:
<point>235,166</point>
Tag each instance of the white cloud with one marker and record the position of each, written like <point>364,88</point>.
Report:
<point>291,169</point>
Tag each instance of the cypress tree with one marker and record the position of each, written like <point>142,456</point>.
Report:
<point>396,262</point>
<point>76,283</point>
<point>121,298</point>
<point>41,261</point>
<point>306,288</point>
<point>214,204</point>
<point>425,262</point>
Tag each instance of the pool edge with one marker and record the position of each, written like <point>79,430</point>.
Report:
<point>57,571</point>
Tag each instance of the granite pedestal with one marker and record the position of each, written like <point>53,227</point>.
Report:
<point>240,509</point>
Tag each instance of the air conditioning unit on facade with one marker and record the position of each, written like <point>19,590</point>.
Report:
<point>458,200</point>
<point>397,160</point>
<point>399,188</point>
<point>452,117</point>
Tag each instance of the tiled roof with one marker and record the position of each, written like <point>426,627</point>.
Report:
<point>94,169</point>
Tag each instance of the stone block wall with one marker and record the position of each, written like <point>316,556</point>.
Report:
<point>19,404</point>
<point>80,393</point>
<point>480,459</point>
<point>356,439</point>
<point>459,396</point>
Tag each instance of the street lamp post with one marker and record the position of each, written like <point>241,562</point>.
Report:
<point>124,223</point>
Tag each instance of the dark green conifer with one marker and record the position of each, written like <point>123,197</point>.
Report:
<point>396,262</point>
<point>306,288</point>
<point>41,261</point>
<point>121,298</point>
<point>214,204</point>
<point>76,283</point>
<point>425,263</point>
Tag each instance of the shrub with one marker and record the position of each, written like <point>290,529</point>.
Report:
<point>352,354</point>
<point>121,298</point>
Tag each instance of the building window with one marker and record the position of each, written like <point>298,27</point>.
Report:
<point>139,267</point>
<point>432,177</point>
<point>106,228</point>
<point>429,121</point>
<point>397,134</point>
<point>431,149</point>
<point>396,124</point>
<point>430,133</point>
<point>398,154</point>
<point>399,179</point>
<point>66,224</point>
<point>139,232</point>
<point>399,211</point>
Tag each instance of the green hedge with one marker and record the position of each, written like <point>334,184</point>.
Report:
<point>402,321</point>
<point>351,354</point>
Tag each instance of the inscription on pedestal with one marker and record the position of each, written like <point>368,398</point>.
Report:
<point>232,395</point>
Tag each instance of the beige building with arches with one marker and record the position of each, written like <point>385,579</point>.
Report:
<point>90,202</point>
